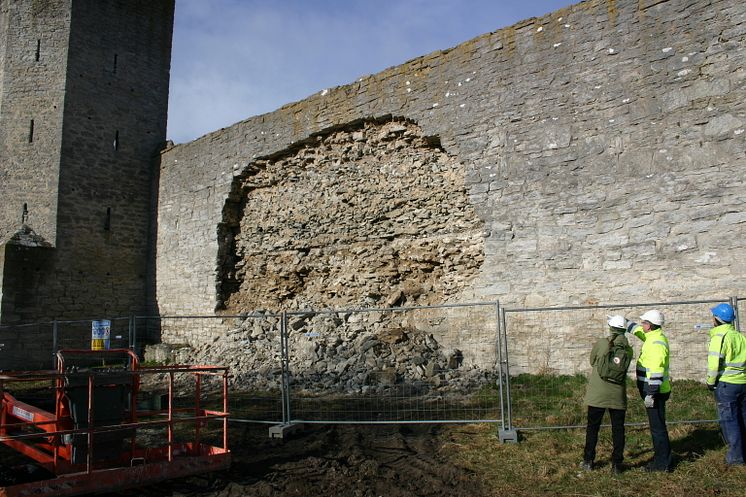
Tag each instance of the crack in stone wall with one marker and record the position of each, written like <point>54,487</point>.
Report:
<point>372,214</point>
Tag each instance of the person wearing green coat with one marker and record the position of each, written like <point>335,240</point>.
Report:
<point>602,395</point>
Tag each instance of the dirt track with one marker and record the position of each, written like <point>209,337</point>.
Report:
<point>359,461</point>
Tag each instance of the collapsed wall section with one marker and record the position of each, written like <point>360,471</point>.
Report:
<point>371,214</point>
<point>602,144</point>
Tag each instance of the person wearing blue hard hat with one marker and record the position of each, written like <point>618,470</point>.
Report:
<point>726,376</point>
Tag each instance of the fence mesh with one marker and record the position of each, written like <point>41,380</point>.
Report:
<point>77,334</point>
<point>435,364</point>
<point>26,347</point>
<point>548,352</point>
<point>250,345</point>
<point>398,365</point>
<point>33,346</point>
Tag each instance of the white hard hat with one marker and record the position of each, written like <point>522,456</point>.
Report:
<point>616,321</point>
<point>654,317</point>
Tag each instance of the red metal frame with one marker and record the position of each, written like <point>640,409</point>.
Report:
<point>47,437</point>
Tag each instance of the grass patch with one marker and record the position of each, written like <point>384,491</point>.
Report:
<point>546,462</point>
<point>540,401</point>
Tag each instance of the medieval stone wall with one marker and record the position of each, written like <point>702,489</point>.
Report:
<point>34,42</point>
<point>115,125</point>
<point>84,101</point>
<point>601,148</point>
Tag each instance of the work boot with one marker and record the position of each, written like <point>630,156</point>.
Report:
<point>616,468</point>
<point>586,465</point>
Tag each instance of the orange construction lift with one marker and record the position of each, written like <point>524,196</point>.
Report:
<point>100,437</point>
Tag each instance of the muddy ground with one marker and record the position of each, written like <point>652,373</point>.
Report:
<point>344,460</point>
<point>316,460</point>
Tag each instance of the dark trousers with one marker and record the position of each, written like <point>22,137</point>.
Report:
<point>658,430</point>
<point>595,416</point>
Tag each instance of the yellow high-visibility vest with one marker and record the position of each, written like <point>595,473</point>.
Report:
<point>652,365</point>
<point>726,356</point>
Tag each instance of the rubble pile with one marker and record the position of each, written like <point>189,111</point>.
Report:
<point>339,353</point>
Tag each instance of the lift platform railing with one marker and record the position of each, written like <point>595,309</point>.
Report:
<point>91,439</point>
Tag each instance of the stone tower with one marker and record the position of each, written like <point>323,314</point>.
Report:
<point>83,103</point>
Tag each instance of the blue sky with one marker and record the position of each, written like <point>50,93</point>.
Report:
<point>233,59</point>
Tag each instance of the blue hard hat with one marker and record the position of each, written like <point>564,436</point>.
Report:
<point>724,312</point>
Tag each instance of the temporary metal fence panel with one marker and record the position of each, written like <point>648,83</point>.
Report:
<point>78,334</point>
<point>398,365</point>
<point>33,346</point>
<point>26,347</point>
<point>525,368</point>
<point>548,352</point>
<point>249,345</point>
<point>740,307</point>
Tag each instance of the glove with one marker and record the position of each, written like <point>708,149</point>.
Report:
<point>631,325</point>
<point>649,401</point>
<point>711,388</point>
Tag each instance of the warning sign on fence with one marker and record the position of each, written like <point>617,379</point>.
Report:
<point>100,334</point>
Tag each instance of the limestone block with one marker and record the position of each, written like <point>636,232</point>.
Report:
<point>723,124</point>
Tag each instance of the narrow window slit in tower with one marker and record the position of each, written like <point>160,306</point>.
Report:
<point>107,222</point>
<point>31,132</point>
<point>24,214</point>
<point>116,140</point>
<point>114,69</point>
<point>38,49</point>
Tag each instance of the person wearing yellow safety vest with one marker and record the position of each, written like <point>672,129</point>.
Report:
<point>654,384</point>
<point>726,375</point>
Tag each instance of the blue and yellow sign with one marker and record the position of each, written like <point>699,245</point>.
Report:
<point>100,334</point>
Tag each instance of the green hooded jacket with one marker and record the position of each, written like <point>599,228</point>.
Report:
<point>600,393</point>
